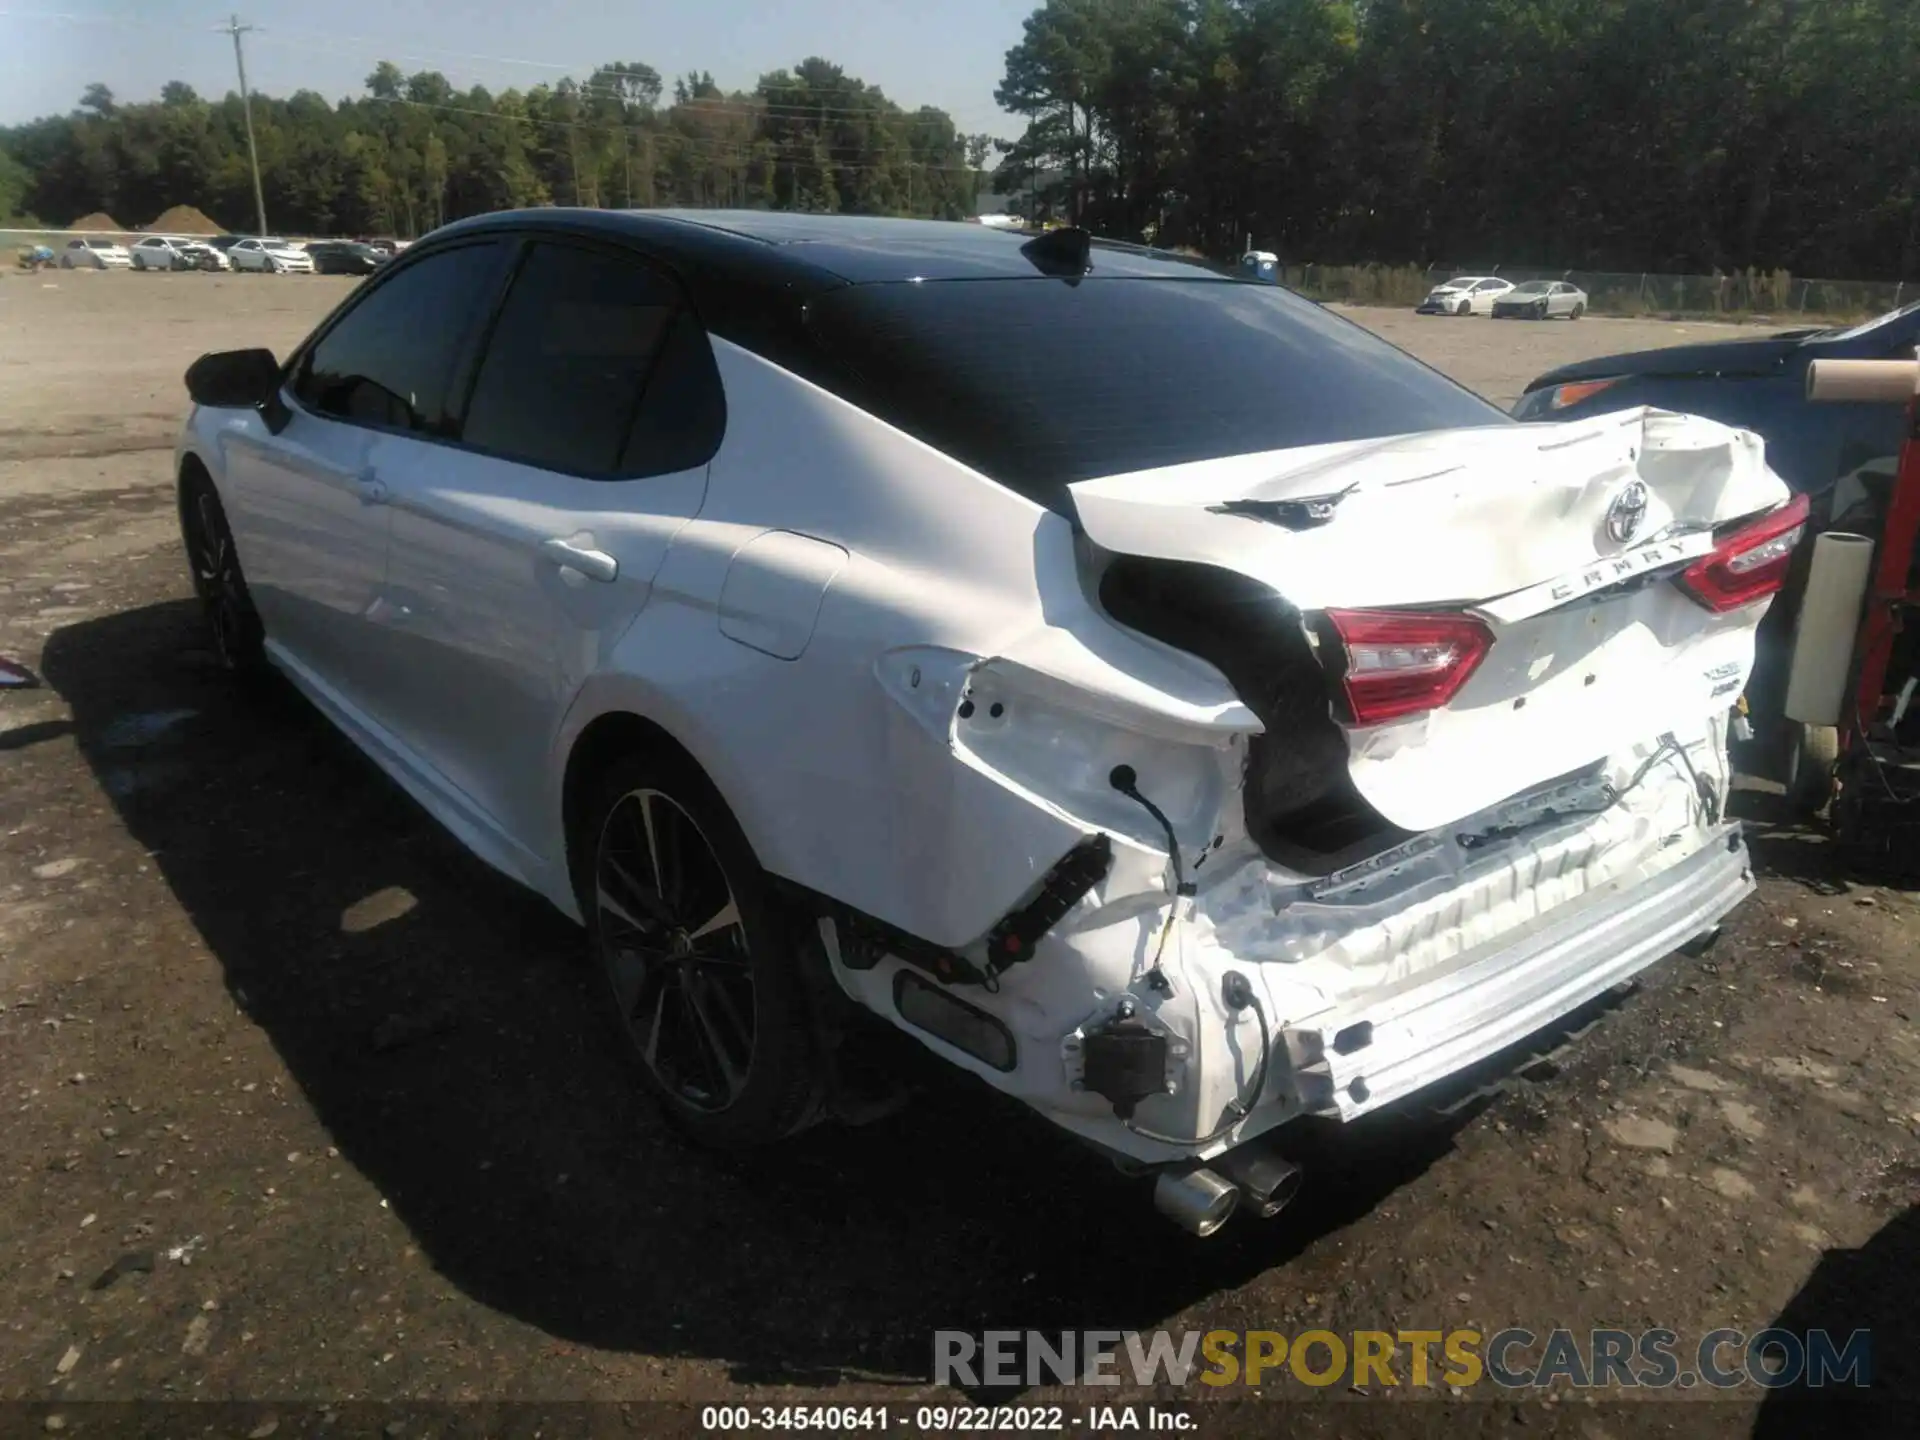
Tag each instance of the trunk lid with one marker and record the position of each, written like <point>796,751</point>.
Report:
<point>1714,357</point>
<point>1559,539</point>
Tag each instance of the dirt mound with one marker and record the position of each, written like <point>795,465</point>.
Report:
<point>98,220</point>
<point>185,220</point>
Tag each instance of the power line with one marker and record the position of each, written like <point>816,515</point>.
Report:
<point>315,40</point>
<point>306,39</point>
<point>728,149</point>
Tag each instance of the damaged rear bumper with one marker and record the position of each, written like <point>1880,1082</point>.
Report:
<point>1121,1024</point>
<point>1358,1058</point>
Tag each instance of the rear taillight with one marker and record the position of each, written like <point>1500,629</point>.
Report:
<point>1402,663</point>
<point>1751,563</point>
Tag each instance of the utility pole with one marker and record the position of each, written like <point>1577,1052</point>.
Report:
<point>236,30</point>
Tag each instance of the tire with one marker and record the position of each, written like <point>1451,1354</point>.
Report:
<point>1578,311</point>
<point>1814,752</point>
<point>218,581</point>
<point>1466,308</point>
<point>695,957</point>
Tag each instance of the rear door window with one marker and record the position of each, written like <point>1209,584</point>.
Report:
<point>597,368</point>
<point>1039,383</point>
<point>395,358</point>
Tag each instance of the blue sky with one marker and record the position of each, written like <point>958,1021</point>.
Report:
<point>932,52</point>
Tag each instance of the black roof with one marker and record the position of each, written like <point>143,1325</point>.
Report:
<point>826,250</point>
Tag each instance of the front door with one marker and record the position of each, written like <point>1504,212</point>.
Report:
<point>307,505</point>
<point>595,408</point>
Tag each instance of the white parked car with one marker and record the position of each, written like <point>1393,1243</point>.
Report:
<point>203,255</point>
<point>1464,295</point>
<point>160,252</point>
<point>1197,716</point>
<point>176,252</point>
<point>85,254</point>
<point>269,253</point>
<point>1541,300</point>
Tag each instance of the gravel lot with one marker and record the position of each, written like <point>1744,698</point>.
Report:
<point>303,1105</point>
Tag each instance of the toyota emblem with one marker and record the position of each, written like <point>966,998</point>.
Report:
<point>1627,512</point>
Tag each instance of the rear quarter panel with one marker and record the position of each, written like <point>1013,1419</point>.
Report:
<point>842,770</point>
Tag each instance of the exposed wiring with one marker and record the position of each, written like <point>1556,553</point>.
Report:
<point>1124,779</point>
<point>1239,994</point>
<point>1709,797</point>
<point>1127,781</point>
<point>1614,795</point>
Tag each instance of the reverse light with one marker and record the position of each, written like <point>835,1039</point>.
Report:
<point>1402,663</point>
<point>1751,563</point>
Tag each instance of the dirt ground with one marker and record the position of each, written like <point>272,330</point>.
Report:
<point>301,1104</point>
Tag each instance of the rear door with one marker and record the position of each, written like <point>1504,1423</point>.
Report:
<point>592,416</point>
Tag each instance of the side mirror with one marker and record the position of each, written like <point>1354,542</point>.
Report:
<point>234,379</point>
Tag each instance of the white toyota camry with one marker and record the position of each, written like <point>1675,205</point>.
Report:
<point>1159,696</point>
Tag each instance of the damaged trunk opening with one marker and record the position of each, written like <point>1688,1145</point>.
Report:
<point>1301,805</point>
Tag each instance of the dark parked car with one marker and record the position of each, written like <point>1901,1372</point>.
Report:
<point>1758,384</point>
<point>345,257</point>
<point>1843,457</point>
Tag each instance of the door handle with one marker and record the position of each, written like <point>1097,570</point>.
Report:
<point>594,564</point>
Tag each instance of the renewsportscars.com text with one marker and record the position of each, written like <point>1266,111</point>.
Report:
<point>1513,1359</point>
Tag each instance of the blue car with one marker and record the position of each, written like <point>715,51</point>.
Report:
<point>1759,385</point>
<point>1842,457</point>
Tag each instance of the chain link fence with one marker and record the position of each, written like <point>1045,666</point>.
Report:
<point>1774,297</point>
<point>1750,295</point>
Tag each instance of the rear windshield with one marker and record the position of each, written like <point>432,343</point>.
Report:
<point>1041,383</point>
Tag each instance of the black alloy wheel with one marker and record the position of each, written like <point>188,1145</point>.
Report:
<point>696,959</point>
<point>218,580</point>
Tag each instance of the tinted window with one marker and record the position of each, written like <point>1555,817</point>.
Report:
<point>392,359</point>
<point>574,352</point>
<point>1040,383</point>
<point>683,412</point>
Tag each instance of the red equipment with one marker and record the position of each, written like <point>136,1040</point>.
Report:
<point>1876,798</point>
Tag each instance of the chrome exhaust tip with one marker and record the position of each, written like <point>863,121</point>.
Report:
<point>1267,1182</point>
<point>1197,1200</point>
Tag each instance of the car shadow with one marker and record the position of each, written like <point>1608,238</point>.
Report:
<point>440,1024</point>
<point>1870,1289</point>
<point>1789,845</point>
